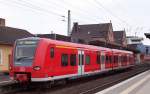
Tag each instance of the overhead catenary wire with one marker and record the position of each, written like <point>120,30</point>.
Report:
<point>76,11</point>
<point>36,7</point>
<point>81,11</point>
<point>27,4</point>
<point>105,17</point>
<point>31,8</point>
<point>110,12</point>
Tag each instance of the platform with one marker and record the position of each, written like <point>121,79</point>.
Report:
<point>139,84</point>
<point>4,79</point>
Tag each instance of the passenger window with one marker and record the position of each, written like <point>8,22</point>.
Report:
<point>73,59</point>
<point>103,59</point>
<point>98,58</point>
<point>110,59</point>
<point>64,59</point>
<point>52,52</point>
<point>116,59</point>
<point>107,59</point>
<point>119,59</point>
<point>87,60</point>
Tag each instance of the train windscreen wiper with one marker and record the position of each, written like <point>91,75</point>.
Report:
<point>24,57</point>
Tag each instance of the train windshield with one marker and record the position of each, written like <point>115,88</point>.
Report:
<point>24,52</point>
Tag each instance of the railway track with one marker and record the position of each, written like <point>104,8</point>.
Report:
<point>101,87</point>
<point>87,85</point>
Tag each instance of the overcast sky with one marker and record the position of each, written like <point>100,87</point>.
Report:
<point>44,16</point>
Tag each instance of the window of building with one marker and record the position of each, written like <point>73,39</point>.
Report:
<point>87,60</point>
<point>64,59</point>
<point>52,52</point>
<point>98,58</point>
<point>0,56</point>
<point>73,59</point>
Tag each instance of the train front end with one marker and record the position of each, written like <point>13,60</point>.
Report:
<point>23,58</point>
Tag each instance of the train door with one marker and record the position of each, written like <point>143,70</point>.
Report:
<point>127,60</point>
<point>80,62</point>
<point>119,61</point>
<point>102,61</point>
<point>51,58</point>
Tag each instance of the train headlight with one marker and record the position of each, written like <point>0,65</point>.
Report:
<point>10,68</point>
<point>36,68</point>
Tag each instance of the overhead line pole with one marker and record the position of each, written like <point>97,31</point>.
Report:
<point>69,23</point>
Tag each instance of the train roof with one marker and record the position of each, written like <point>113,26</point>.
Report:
<point>75,45</point>
<point>85,46</point>
<point>120,51</point>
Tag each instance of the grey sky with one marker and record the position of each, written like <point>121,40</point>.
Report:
<point>44,16</point>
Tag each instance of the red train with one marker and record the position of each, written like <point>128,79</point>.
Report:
<point>40,59</point>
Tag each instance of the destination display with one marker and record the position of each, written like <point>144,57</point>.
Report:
<point>27,42</point>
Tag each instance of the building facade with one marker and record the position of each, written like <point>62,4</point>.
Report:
<point>120,38</point>
<point>55,37</point>
<point>134,40</point>
<point>8,35</point>
<point>92,32</point>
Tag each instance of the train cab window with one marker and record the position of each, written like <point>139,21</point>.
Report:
<point>87,62</point>
<point>64,59</point>
<point>73,59</point>
<point>52,52</point>
<point>98,58</point>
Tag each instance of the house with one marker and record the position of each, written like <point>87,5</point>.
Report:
<point>92,32</point>
<point>120,38</point>
<point>147,35</point>
<point>8,35</point>
<point>55,37</point>
<point>134,40</point>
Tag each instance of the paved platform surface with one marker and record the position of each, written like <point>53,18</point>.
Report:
<point>139,84</point>
<point>4,78</point>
